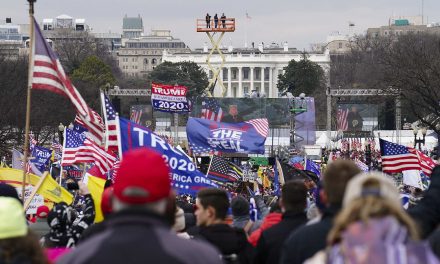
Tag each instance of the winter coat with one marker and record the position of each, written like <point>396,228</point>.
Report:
<point>228,240</point>
<point>382,240</point>
<point>304,242</point>
<point>427,211</point>
<point>270,220</point>
<point>271,241</point>
<point>139,236</point>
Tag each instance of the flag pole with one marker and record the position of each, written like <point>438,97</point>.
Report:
<point>209,167</point>
<point>28,100</point>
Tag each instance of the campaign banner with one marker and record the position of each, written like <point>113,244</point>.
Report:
<point>41,157</point>
<point>168,98</point>
<point>185,177</point>
<point>206,136</point>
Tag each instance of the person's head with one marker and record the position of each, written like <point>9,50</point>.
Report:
<point>233,110</point>
<point>42,212</point>
<point>293,196</point>
<point>335,179</point>
<point>143,182</point>
<point>211,206</point>
<point>239,206</point>
<point>16,241</point>
<point>370,196</point>
<point>7,190</point>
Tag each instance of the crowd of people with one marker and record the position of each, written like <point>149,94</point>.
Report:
<point>348,216</point>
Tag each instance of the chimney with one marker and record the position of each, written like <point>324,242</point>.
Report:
<point>286,46</point>
<point>205,47</point>
<point>260,47</point>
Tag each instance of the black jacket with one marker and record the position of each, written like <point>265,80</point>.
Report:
<point>134,236</point>
<point>307,240</point>
<point>427,212</point>
<point>271,241</point>
<point>227,240</point>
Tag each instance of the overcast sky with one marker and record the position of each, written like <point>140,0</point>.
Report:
<point>299,22</point>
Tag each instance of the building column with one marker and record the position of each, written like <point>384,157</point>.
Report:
<point>252,79</point>
<point>240,82</point>
<point>262,81</point>
<point>229,94</point>
<point>271,83</point>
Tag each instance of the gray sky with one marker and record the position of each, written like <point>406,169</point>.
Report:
<point>298,22</point>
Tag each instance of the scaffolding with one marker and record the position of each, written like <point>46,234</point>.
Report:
<point>211,27</point>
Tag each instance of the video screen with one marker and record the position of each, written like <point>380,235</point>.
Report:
<point>235,110</point>
<point>357,117</point>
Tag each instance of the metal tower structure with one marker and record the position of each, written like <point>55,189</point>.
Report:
<point>211,27</point>
<point>364,92</point>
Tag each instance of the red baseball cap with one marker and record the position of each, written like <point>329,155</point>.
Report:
<point>143,177</point>
<point>42,211</point>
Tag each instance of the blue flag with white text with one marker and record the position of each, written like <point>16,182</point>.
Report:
<point>41,157</point>
<point>313,167</point>
<point>206,136</point>
<point>185,177</point>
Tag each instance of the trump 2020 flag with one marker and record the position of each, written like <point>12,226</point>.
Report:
<point>313,167</point>
<point>247,137</point>
<point>185,177</point>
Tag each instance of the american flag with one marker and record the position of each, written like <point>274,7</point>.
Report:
<point>211,110</point>
<point>135,115</point>
<point>261,125</point>
<point>56,145</point>
<point>79,149</point>
<point>397,158</point>
<point>426,163</point>
<point>48,74</point>
<point>111,132</point>
<point>342,119</point>
<point>223,170</point>
<point>114,170</point>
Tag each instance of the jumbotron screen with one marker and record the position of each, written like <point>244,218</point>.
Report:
<point>357,117</point>
<point>276,110</point>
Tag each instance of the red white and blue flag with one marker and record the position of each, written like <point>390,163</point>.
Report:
<point>211,110</point>
<point>79,149</point>
<point>397,158</point>
<point>342,119</point>
<point>111,134</point>
<point>48,74</point>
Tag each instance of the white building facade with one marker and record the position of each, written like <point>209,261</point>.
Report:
<point>247,70</point>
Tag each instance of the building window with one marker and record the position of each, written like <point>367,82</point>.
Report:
<point>257,74</point>
<point>153,61</point>
<point>340,45</point>
<point>225,74</point>
<point>234,74</point>
<point>234,91</point>
<point>245,90</point>
<point>145,61</point>
<point>266,74</point>
<point>245,73</point>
